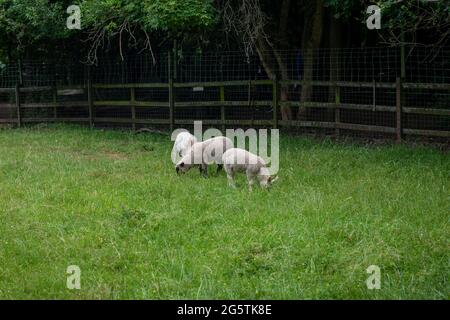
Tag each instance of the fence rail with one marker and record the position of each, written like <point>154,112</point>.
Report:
<point>359,91</point>
<point>170,103</point>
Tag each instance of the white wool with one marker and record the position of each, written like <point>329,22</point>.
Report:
<point>204,153</point>
<point>240,160</point>
<point>183,143</point>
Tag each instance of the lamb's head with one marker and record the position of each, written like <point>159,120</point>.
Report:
<point>188,146</point>
<point>183,152</point>
<point>184,164</point>
<point>265,179</point>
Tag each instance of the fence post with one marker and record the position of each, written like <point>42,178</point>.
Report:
<point>222,108</point>
<point>19,116</point>
<point>399,129</point>
<point>90,100</point>
<point>402,55</point>
<point>55,101</point>
<point>20,72</point>
<point>275,102</point>
<point>171,98</point>
<point>337,110</point>
<point>175,59</point>
<point>133,108</point>
<point>171,105</point>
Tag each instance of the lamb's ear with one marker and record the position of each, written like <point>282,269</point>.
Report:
<point>272,179</point>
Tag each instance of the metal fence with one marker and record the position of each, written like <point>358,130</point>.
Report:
<point>364,91</point>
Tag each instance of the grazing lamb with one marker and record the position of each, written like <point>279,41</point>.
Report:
<point>183,143</point>
<point>204,153</point>
<point>235,160</point>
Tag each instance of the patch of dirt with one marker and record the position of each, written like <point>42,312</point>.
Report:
<point>112,155</point>
<point>115,155</point>
<point>6,126</point>
<point>97,174</point>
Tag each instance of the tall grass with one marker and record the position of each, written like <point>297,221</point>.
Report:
<point>111,203</point>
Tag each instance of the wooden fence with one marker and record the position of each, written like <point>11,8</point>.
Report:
<point>275,121</point>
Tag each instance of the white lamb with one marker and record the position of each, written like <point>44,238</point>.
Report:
<point>204,153</point>
<point>240,160</point>
<point>183,143</point>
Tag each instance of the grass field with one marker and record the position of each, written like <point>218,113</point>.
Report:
<point>111,203</point>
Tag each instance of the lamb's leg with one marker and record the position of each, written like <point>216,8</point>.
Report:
<point>219,168</point>
<point>230,177</point>
<point>204,170</point>
<point>231,182</point>
<point>251,180</point>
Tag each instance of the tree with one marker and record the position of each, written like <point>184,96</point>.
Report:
<point>24,23</point>
<point>411,18</point>
<point>312,36</point>
<point>265,33</point>
<point>402,17</point>
<point>263,26</point>
<point>106,20</point>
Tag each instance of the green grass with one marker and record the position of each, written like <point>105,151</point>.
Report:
<point>111,203</point>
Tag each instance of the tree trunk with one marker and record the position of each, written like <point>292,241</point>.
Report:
<point>266,54</point>
<point>284,16</point>
<point>263,51</point>
<point>311,40</point>
<point>286,111</point>
<point>335,44</point>
<point>274,64</point>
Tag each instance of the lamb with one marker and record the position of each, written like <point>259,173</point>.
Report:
<point>183,143</point>
<point>236,159</point>
<point>204,153</point>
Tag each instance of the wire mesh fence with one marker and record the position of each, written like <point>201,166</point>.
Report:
<point>356,91</point>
